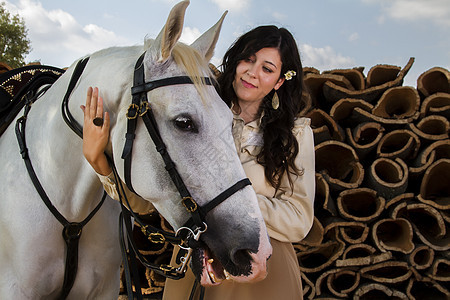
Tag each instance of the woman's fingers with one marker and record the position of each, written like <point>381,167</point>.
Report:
<point>88,103</point>
<point>99,113</point>
<point>93,104</point>
<point>106,123</point>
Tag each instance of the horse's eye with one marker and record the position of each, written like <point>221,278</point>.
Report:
<point>186,124</point>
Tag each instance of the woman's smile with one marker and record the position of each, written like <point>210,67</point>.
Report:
<point>247,84</point>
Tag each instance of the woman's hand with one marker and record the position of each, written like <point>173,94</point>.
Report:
<point>95,137</point>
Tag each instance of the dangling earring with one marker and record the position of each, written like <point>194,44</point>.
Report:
<point>275,101</point>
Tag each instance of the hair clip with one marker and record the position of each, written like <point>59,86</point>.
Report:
<point>289,74</point>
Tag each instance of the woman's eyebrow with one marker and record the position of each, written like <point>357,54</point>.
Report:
<point>271,63</point>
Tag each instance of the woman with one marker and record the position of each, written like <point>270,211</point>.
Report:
<point>262,82</point>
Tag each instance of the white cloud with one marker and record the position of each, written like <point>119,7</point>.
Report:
<point>216,61</point>
<point>381,19</point>
<point>437,11</point>
<point>324,58</point>
<point>232,5</point>
<point>189,35</point>
<point>56,36</point>
<point>353,37</point>
<point>279,16</point>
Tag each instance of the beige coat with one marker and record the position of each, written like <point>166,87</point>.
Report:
<point>288,215</point>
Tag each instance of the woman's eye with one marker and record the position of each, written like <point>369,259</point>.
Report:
<point>250,59</point>
<point>186,124</point>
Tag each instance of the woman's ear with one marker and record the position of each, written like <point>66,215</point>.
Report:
<point>279,83</point>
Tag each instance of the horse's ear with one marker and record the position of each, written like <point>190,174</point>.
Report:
<point>171,32</point>
<point>206,43</point>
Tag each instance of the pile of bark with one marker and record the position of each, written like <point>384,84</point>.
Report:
<point>382,206</point>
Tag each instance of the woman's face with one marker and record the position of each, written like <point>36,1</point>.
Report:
<point>257,75</point>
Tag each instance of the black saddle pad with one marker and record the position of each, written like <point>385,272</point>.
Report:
<point>17,83</point>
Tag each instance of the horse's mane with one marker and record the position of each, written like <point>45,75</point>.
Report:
<point>193,63</point>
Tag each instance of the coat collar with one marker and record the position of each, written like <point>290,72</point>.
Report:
<point>253,124</point>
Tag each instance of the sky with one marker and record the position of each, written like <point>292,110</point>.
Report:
<point>331,34</point>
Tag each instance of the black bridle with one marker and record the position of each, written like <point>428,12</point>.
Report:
<point>187,237</point>
<point>196,225</point>
<point>140,106</point>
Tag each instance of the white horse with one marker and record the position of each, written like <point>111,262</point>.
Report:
<point>195,125</point>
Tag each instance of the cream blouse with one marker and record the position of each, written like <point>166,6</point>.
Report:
<point>288,213</point>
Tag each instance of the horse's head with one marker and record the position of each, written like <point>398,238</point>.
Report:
<point>195,125</point>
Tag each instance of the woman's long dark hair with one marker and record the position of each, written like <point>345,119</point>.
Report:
<point>280,146</point>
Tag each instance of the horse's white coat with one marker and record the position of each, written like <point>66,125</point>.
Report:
<point>32,251</point>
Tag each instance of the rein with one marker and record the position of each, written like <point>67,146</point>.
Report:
<point>71,230</point>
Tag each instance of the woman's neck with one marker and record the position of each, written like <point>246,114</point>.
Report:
<point>249,111</point>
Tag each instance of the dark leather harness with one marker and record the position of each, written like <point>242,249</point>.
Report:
<point>188,236</point>
<point>71,230</point>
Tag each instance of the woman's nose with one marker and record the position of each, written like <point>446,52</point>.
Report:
<point>250,73</point>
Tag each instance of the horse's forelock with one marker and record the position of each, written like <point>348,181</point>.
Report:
<point>192,63</point>
<point>195,66</point>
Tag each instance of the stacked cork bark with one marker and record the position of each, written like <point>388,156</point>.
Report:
<point>382,206</point>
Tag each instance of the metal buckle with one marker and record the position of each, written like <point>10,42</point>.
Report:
<point>156,238</point>
<point>72,231</point>
<point>189,203</point>
<point>132,112</point>
<point>166,268</point>
<point>144,108</point>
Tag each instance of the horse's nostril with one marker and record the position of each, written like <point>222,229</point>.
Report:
<point>241,257</point>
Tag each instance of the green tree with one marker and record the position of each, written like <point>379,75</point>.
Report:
<point>14,44</point>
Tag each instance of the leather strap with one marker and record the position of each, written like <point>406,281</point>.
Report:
<point>203,210</point>
<point>150,123</point>
<point>67,116</point>
<point>148,86</point>
<point>224,195</point>
<point>71,231</point>
<point>129,260</point>
<point>194,290</point>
